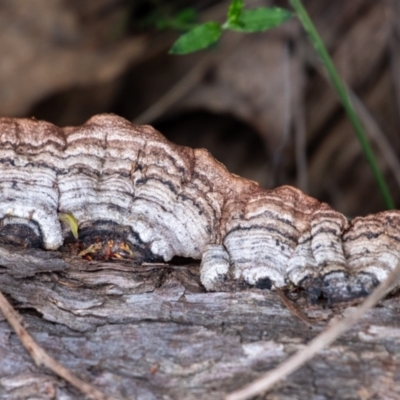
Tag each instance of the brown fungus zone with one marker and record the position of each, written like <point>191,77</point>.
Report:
<point>130,188</point>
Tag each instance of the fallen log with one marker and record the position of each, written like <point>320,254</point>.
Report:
<point>152,332</point>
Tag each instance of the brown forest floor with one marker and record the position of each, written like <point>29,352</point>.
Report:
<point>260,103</point>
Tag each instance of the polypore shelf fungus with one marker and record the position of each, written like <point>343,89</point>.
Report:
<point>127,181</point>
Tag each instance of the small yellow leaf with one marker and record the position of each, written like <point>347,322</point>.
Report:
<point>71,221</point>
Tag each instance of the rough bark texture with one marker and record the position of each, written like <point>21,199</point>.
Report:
<point>152,332</point>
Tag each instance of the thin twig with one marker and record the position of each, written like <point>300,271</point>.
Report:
<point>40,357</point>
<point>176,93</point>
<point>187,82</point>
<point>293,309</point>
<point>190,79</point>
<point>318,343</point>
<point>298,107</point>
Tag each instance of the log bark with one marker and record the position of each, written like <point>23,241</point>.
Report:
<point>152,332</point>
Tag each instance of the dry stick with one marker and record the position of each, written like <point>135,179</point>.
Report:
<point>40,357</point>
<point>185,84</point>
<point>190,79</point>
<point>294,309</point>
<point>176,93</point>
<point>324,339</point>
<point>299,121</point>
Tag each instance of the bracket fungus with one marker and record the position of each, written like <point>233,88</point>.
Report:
<point>128,181</point>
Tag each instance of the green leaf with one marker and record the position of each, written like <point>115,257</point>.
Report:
<point>260,19</point>
<point>198,38</point>
<point>235,9</point>
<point>71,221</point>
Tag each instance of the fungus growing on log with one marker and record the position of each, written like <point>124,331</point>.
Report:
<point>128,182</point>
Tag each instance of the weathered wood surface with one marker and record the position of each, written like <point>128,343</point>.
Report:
<point>152,332</point>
